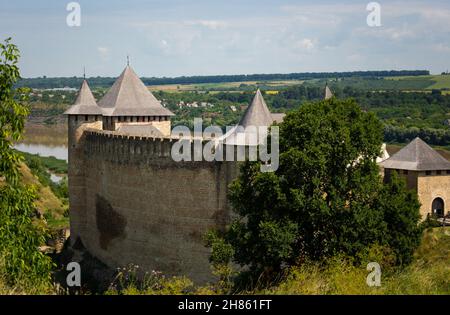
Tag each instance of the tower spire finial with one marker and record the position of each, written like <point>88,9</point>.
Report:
<point>84,72</point>
<point>128,60</point>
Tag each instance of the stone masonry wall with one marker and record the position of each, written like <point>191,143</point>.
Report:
<point>428,187</point>
<point>76,171</point>
<point>141,207</point>
<point>433,186</point>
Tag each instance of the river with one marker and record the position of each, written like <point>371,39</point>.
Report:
<point>45,141</point>
<point>59,152</point>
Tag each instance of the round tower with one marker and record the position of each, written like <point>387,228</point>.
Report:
<point>83,114</point>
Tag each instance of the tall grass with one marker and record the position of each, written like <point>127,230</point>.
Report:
<point>428,274</point>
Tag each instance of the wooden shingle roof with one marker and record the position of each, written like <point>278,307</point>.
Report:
<point>417,156</point>
<point>130,97</point>
<point>257,114</point>
<point>85,103</point>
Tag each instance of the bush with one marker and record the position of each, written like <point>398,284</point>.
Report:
<point>20,237</point>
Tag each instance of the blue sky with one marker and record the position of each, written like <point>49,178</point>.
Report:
<point>206,37</point>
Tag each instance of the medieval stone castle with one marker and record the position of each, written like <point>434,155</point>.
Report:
<point>130,202</point>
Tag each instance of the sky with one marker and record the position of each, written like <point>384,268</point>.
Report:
<point>209,37</point>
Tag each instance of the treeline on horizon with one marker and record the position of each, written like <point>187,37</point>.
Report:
<point>74,82</point>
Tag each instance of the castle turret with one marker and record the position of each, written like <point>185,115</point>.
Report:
<point>83,114</point>
<point>328,93</point>
<point>425,171</point>
<point>256,115</point>
<point>130,105</point>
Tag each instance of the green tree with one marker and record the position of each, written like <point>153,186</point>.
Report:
<point>323,200</point>
<point>401,211</point>
<point>20,237</point>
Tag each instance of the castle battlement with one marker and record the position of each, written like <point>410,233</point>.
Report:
<point>122,147</point>
<point>117,146</point>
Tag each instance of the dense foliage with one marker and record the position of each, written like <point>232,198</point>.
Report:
<point>325,199</point>
<point>20,237</point>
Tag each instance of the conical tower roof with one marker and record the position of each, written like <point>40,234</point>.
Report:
<point>328,93</point>
<point>85,103</point>
<point>417,156</point>
<point>130,97</point>
<point>257,113</point>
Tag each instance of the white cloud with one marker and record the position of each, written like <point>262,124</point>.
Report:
<point>211,24</point>
<point>103,52</point>
<point>302,34</point>
<point>306,43</point>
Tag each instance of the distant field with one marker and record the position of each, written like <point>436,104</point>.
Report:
<point>433,81</point>
<point>220,86</point>
<point>423,83</point>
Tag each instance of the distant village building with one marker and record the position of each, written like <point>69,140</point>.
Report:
<point>425,171</point>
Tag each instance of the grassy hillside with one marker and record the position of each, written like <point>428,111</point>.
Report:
<point>441,82</point>
<point>47,204</point>
<point>428,274</point>
<point>430,81</point>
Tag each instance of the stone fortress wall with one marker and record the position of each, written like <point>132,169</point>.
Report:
<point>430,187</point>
<point>131,203</point>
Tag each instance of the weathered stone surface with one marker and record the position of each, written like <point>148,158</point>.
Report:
<point>428,185</point>
<point>131,203</point>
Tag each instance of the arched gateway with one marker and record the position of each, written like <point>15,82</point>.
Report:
<point>437,207</point>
